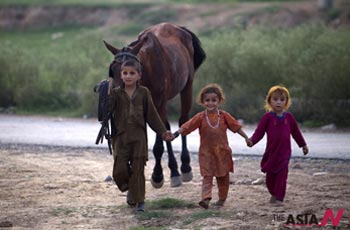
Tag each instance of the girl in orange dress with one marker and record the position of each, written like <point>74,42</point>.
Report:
<point>215,154</point>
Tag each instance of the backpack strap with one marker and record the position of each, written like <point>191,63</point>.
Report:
<point>103,115</point>
<point>103,100</point>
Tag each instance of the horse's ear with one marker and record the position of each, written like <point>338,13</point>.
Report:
<point>111,48</point>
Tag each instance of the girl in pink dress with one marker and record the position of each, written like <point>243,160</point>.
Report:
<point>215,154</point>
<point>279,125</point>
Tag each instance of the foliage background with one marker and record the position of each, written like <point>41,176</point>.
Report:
<point>53,70</point>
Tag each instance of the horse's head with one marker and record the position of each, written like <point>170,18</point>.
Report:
<point>120,56</point>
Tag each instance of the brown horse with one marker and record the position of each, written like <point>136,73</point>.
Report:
<point>169,55</point>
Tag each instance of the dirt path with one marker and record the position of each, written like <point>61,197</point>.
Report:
<point>65,188</point>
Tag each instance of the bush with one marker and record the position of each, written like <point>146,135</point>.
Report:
<point>53,75</point>
<point>38,73</point>
<point>312,61</point>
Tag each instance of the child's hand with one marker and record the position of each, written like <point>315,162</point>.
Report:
<point>305,150</point>
<point>176,134</point>
<point>168,136</point>
<point>249,142</point>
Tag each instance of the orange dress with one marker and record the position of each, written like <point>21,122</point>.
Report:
<point>215,154</point>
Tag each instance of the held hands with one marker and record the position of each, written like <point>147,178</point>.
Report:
<point>249,142</point>
<point>168,136</point>
<point>176,134</point>
<point>305,150</point>
<point>244,135</point>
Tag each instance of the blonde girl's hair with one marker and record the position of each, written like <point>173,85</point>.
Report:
<point>211,88</point>
<point>279,89</point>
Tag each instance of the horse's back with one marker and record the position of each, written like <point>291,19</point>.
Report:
<point>173,39</point>
<point>167,33</point>
<point>168,53</point>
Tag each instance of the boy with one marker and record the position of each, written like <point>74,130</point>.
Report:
<point>131,106</point>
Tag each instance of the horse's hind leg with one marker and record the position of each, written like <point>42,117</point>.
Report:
<point>175,178</point>
<point>157,178</point>
<point>186,103</point>
<point>186,169</point>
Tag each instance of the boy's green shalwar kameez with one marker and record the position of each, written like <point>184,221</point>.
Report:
<point>130,148</point>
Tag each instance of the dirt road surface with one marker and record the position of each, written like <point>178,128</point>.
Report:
<point>64,187</point>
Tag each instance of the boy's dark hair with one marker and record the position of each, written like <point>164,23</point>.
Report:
<point>132,63</point>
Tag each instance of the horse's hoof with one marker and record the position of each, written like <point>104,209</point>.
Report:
<point>157,184</point>
<point>186,177</point>
<point>175,181</point>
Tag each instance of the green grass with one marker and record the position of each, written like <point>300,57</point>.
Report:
<point>163,210</point>
<point>160,208</point>
<point>168,203</point>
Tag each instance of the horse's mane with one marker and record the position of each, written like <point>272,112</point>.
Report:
<point>134,43</point>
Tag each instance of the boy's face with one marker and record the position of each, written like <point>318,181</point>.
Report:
<point>278,102</point>
<point>130,75</point>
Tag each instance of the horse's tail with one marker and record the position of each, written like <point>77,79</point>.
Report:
<point>199,53</point>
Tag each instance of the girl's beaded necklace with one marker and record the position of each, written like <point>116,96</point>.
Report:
<point>208,121</point>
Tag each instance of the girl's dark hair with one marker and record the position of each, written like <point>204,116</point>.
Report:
<point>211,88</point>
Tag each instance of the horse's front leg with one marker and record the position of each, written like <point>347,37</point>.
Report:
<point>157,178</point>
<point>175,178</point>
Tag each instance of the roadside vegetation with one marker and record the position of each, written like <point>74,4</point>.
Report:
<point>53,70</point>
<point>310,60</point>
<point>119,2</point>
